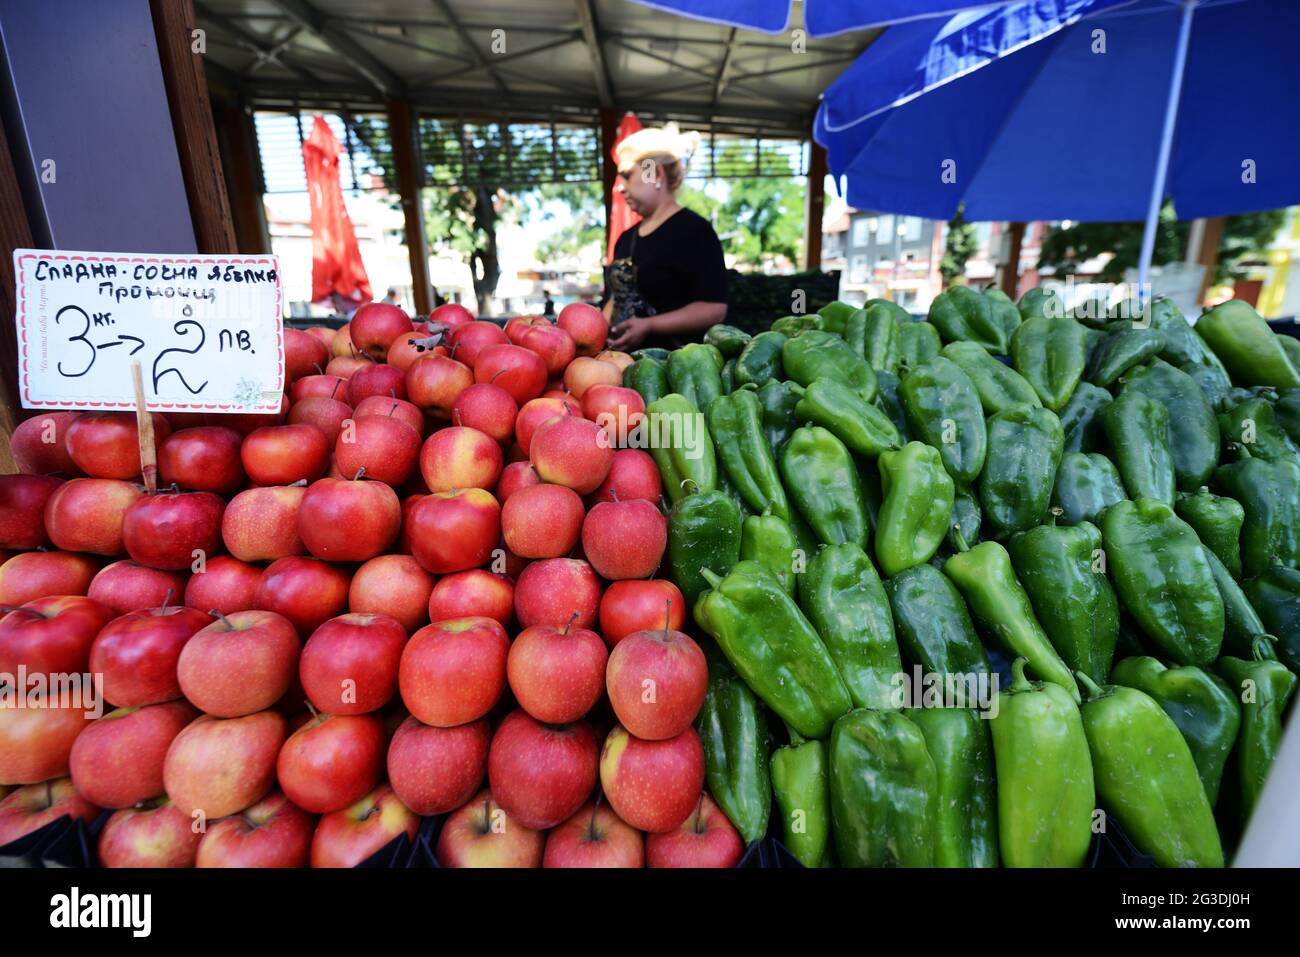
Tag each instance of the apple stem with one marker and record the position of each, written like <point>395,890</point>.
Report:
<point>334,391</point>
<point>613,493</point>
<point>319,370</point>
<point>455,414</point>
<point>314,713</point>
<point>168,597</point>
<point>595,806</point>
<point>360,472</point>
<point>697,824</point>
<point>30,611</point>
<point>668,614</point>
<point>570,622</point>
<point>394,408</point>
<point>301,483</point>
<point>225,621</point>
<point>493,380</point>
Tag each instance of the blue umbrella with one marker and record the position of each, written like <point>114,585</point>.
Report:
<point>823,18</point>
<point>1086,109</point>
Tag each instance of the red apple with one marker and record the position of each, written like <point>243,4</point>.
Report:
<point>332,761</point>
<point>31,575</point>
<point>395,585</point>
<point>86,515</point>
<point>239,664</point>
<point>615,409</point>
<point>303,354</point>
<point>594,837</point>
<point>220,766</point>
<point>586,324</point>
<point>118,760</point>
<point>205,459</point>
<point>517,370</point>
<point>620,359</point>
<point>284,454</point>
<point>632,474</point>
<point>637,605</point>
<point>376,380</point>
<point>137,654</point>
<point>453,672</point>
<point>107,445</point>
<point>225,584</point>
<point>349,664</point>
<point>39,444</point>
<point>341,342</point>
<point>572,405</point>
<point>434,382</point>
<point>542,521</point>
<point>516,476</point>
<point>30,808</point>
<point>541,774</point>
<point>436,770</point>
<point>346,838</point>
<point>391,408</point>
<point>35,742</point>
<point>246,423</point>
<point>656,682</point>
<point>488,408</point>
<point>518,325</point>
<point>533,414</point>
<point>653,785</point>
<point>467,341</point>
<point>22,509</point>
<point>305,590</point>
<point>571,451</point>
<point>454,531</point>
<point>705,839</point>
<point>450,315</point>
<point>375,325</point>
<point>553,590</point>
<point>386,448</point>
<point>345,367</point>
<point>481,834</point>
<point>324,333</point>
<point>349,521</point>
<point>584,372</point>
<point>624,540</point>
<point>274,832</point>
<point>319,386</point>
<point>476,593</point>
<point>557,675</point>
<point>261,524</point>
<point>128,586</point>
<point>154,834</point>
<point>405,349</point>
<point>553,344</point>
<point>326,414</point>
<point>171,530</point>
<point>51,635</point>
<point>460,457</point>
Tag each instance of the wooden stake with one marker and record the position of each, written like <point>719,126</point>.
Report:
<point>144,429</point>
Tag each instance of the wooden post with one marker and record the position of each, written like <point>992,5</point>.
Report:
<point>406,163</point>
<point>814,205</point>
<point>1209,257</point>
<point>144,432</point>
<point>15,233</point>
<point>1009,281</point>
<point>196,136</point>
<point>608,168</point>
<point>245,185</point>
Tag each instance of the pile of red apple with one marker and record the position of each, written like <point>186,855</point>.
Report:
<point>424,588</point>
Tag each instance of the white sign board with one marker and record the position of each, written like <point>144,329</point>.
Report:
<point>207,331</point>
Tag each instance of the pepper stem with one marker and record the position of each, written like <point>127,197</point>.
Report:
<point>1018,680</point>
<point>959,537</point>
<point>1261,649</point>
<point>1089,685</point>
<point>795,737</point>
<point>713,580</point>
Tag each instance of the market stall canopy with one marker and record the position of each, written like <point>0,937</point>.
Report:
<point>519,58</point>
<point>1071,108</point>
<point>824,18</point>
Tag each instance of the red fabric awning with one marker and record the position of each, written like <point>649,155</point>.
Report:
<point>620,217</point>
<point>336,267</point>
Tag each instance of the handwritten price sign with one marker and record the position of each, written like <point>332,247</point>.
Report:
<point>206,330</point>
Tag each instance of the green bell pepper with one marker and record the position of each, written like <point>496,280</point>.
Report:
<point>861,426</point>
<point>999,386</point>
<point>1137,429</point>
<point>794,326</point>
<point>1241,623</point>
<point>933,626</point>
<point>1024,452</point>
<point>703,532</point>
<point>1214,382</point>
<point>649,377</point>
<point>1000,607</point>
<point>1217,521</point>
<point>1040,303</point>
<point>872,332</point>
<point>1146,777</point>
<point>966,831</point>
<point>737,422</point>
<point>888,402</point>
<point>1004,310</point>
<point>760,360</point>
<point>943,410</point>
<point>963,315</point>
<point>1275,595</point>
<point>684,449</point>
<point>1248,348</point>
<point>1265,686</point>
<point>822,355</point>
<point>967,518</point>
<point>1182,346</point>
<point>1269,493</point>
<point>1286,412</point>
<point>728,377</point>
<point>1121,347</point>
<point>834,315</point>
<point>1060,570</point>
<point>1164,580</point>
<point>1044,775</point>
<point>917,342</point>
<point>779,400</point>
<point>841,594</point>
<point>728,340</point>
<point>823,481</point>
<point>884,791</point>
<point>915,509</point>
<point>1051,354</point>
<point>694,372</point>
<point>654,352</point>
<point>769,540</point>
<point>773,648</point>
<point>800,780</point>
<point>1086,485</point>
<point>1199,702</point>
<point>1079,420</point>
<point>1193,429</point>
<point>733,731</point>
<point>1253,424</point>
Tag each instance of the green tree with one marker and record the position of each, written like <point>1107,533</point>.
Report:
<point>959,244</point>
<point>1244,237</point>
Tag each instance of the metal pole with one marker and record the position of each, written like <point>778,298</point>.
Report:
<point>1166,146</point>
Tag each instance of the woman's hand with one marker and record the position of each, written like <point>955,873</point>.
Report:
<point>631,333</point>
